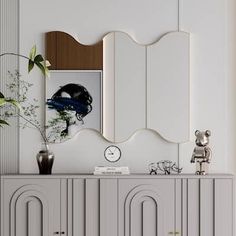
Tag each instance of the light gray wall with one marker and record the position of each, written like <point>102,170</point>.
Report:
<point>9,42</point>
<point>212,99</point>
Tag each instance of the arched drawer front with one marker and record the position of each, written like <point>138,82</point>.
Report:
<point>31,207</point>
<point>146,207</point>
<point>143,204</point>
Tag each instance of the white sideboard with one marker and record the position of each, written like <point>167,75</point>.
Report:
<point>135,205</point>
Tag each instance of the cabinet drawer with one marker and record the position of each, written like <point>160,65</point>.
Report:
<point>30,207</point>
<point>146,207</point>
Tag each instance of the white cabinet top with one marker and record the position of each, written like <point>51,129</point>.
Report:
<point>135,176</point>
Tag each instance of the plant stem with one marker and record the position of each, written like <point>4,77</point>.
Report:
<point>41,132</point>
<point>14,54</point>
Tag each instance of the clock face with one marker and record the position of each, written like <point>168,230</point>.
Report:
<point>112,153</point>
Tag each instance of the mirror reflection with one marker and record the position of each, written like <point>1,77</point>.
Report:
<point>118,86</point>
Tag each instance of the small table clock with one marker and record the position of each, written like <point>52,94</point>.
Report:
<point>112,153</point>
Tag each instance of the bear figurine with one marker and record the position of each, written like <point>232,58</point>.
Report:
<point>201,153</point>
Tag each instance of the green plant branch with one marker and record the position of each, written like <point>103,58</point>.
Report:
<point>33,59</point>
<point>41,132</point>
<point>13,54</point>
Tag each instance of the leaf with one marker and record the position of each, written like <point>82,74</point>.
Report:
<point>32,53</point>
<point>30,65</point>
<point>2,101</point>
<point>3,122</point>
<point>41,67</point>
<point>15,103</point>
<point>47,63</point>
<point>47,72</point>
<point>1,95</point>
<point>38,58</point>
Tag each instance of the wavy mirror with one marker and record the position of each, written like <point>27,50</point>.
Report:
<point>118,86</point>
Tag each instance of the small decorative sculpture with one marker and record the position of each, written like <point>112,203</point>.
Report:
<point>201,153</point>
<point>167,167</point>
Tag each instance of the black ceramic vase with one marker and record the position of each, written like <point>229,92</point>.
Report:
<point>45,160</point>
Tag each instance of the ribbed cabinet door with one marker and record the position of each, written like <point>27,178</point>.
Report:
<point>146,207</point>
<point>31,207</point>
<point>92,203</point>
<point>224,207</point>
<point>207,207</point>
<point>108,207</point>
<point>198,207</point>
<point>81,216</point>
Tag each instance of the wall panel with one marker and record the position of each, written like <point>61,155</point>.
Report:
<point>206,20</point>
<point>9,42</point>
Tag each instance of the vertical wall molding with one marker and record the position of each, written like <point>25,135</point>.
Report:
<point>180,14</point>
<point>9,42</point>
<point>146,88</point>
